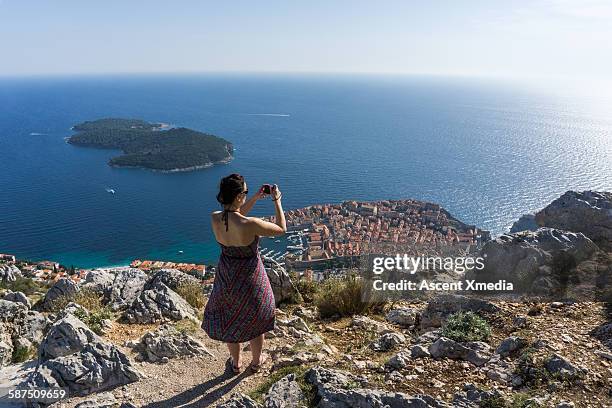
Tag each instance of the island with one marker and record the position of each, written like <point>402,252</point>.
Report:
<point>154,146</point>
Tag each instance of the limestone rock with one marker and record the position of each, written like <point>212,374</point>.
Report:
<point>99,281</point>
<point>31,325</point>
<point>473,397</point>
<point>6,346</point>
<point>18,297</point>
<point>9,311</point>
<point>239,400</point>
<point>399,361</point>
<point>285,393</point>
<point>388,341</point>
<point>167,342</point>
<point>588,212</point>
<point>475,352</point>
<point>440,307</point>
<point>173,278</point>
<point>419,351</point>
<point>533,261</point>
<point>369,324</point>
<point>101,400</point>
<point>283,288</point>
<point>74,357</point>
<point>66,336</point>
<point>527,222</point>
<point>62,289</point>
<point>159,302</point>
<point>126,287</point>
<point>509,345</point>
<point>404,317</point>
<point>335,389</point>
<point>561,367</point>
<point>9,273</point>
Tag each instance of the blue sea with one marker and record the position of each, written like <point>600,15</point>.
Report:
<point>487,151</point>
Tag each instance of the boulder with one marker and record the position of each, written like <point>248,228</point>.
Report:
<point>297,323</point>
<point>101,400</point>
<point>473,397</point>
<point>283,288</point>
<point>18,297</point>
<point>388,341</point>
<point>173,278</point>
<point>74,357</point>
<point>336,389</point>
<point>62,289</point>
<point>6,346</point>
<point>126,287</point>
<point>527,222</point>
<point>9,273</point>
<point>419,351</point>
<point>510,345</point>
<point>9,311</point>
<point>368,324</point>
<point>285,393</point>
<point>66,336</point>
<point>399,361</point>
<point>166,342</point>
<point>588,212</point>
<point>533,261</point>
<point>475,352</point>
<point>99,281</point>
<point>31,325</point>
<point>239,400</point>
<point>157,303</point>
<point>404,317</point>
<point>440,307</point>
<point>561,367</point>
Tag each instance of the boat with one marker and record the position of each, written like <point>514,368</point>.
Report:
<point>110,190</point>
<point>181,251</point>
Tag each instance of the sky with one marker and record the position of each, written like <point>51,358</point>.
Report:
<point>515,39</point>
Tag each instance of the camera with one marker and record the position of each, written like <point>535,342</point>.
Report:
<point>267,189</point>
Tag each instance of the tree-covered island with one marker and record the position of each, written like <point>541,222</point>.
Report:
<point>153,145</point>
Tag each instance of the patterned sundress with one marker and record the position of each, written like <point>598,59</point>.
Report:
<point>241,304</point>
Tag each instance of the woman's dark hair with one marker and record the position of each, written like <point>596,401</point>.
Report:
<point>229,188</point>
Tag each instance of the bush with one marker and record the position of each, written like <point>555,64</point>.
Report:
<point>87,298</point>
<point>21,354</point>
<point>25,285</point>
<point>193,293</point>
<point>466,326</point>
<point>308,289</point>
<point>346,296</point>
<point>94,319</point>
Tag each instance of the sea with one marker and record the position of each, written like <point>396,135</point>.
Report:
<point>486,150</point>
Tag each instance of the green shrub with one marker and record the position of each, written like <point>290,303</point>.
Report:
<point>346,296</point>
<point>94,319</point>
<point>466,326</point>
<point>308,289</point>
<point>25,285</point>
<point>87,298</point>
<point>193,293</point>
<point>21,354</point>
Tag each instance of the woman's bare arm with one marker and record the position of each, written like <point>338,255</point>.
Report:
<point>266,228</point>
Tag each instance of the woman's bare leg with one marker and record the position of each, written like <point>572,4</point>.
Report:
<point>234,350</point>
<point>256,347</point>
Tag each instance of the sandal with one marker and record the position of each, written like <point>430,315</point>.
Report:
<point>263,358</point>
<point>235,369</point>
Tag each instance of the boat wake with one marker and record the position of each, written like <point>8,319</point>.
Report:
<point>269,114</point>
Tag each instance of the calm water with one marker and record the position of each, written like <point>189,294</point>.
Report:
<point>487,152</point>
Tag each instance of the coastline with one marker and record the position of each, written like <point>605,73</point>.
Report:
<point>178,169</point>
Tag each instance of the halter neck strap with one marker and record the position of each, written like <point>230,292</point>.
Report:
<point>224,217</point>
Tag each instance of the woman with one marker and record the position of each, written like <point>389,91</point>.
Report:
<point>241,305</point>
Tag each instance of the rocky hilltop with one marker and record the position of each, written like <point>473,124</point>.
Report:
<point>126,338</point>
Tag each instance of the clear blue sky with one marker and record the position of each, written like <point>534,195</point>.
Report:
<point>533,38</point>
